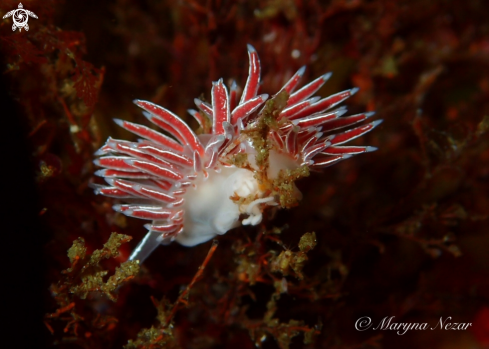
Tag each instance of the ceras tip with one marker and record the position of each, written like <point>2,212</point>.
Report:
<point>301,71</point>
<point>147,115</point>
<point>101,151</point>
<point>198,102</point>
<point>100,173</point>
<point>119,122</point>
<point>110,181</point>
<point>251,49</point>
<point>327,76</point>
<point>376,123</point>
<point>341,111</point>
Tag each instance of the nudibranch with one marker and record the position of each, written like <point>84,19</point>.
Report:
<point>245,159</point>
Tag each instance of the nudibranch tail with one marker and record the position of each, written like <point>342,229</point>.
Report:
<point>194,187</point>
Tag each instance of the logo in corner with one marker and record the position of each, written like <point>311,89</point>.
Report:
<point>20,17</point>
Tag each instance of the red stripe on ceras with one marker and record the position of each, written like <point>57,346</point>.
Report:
<point>354,133</point>
<point>122,174</point>
<point>165,228</point>
<point>130,148</point>
<point>294,80</point>
<point>165,126</point>
<point>126,186</point>
<point>311,151</point>
<point>180,126</point>
<point>291,110</point>
<point>154,193</point>
<point>145,212</point>
<point>115,163</point>
<point>315,120</point>
<point>308,90</point>
<point>176,158</point>
<point>220,106</point>
<point>248,107</point>
<point>307,142</point>
<point>114,193</point>
<point>344,150</point>
<point>328,161</point>
<point>148,214</point>
<point>150,134</point>
<point>204,107</point>
<point>291,142</point>
<point>324,104</point>
<point>306,133</point>
<point>197,117</point>
<point>252,83</point>
<point>141,190</point>
<point>233,96</point>
<point>343,122</point>
<point>155,169</point>
<point>160,183</point>
<point>277,138</point>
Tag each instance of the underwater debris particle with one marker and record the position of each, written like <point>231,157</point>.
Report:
<point>289,262</point>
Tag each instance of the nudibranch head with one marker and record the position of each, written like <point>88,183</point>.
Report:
<point>247,157</point>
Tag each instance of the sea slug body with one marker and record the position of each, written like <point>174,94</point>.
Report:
<point>194,187</point>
